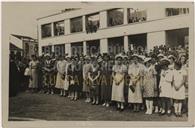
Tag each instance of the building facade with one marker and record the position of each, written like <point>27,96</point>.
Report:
<point>23,45</point>
<point>101,29</point>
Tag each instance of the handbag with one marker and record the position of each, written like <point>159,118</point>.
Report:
<point>27,72</point>
<point>72,82</point>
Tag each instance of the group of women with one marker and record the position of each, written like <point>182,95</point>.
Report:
<point>158,83</point>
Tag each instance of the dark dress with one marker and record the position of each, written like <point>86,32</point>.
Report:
<point>13,80</point>
<point>73,75</point>
<point>95,86</point>
<point>106,82</point>
<point>79,73</point>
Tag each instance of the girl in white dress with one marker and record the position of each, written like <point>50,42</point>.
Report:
<point>118,74</point>
<point>179,88</point>
<point>166,87</point>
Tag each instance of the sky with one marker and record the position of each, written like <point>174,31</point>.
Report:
<point>20,17</point>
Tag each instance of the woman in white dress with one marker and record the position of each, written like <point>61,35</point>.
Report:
<point>118,74</point>
<point>66,80</point>
<point>34,67</point>
<point>60,75</point>
<point>86,69</point>
<point>135,72</point>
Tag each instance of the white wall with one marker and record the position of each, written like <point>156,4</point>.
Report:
<point>155,39</point>
<point>16,41</point>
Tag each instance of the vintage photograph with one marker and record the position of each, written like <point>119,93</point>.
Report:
<point>89,61</point>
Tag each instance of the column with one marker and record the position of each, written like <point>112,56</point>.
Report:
<point>103,19</point>
<point>68,49</point>
<point>84,23</point>
<point>155,39</point>
<point>52,29</point>
<point>104,46</point>
<point>84,48</point>
<point>67,26</point>
<point>125,16</point>
<point>126,43</point>
<point>52,48</point>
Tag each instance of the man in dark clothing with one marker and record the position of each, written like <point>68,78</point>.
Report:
<point>13,80</point>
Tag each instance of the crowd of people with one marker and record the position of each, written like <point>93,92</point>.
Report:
<point>155,81</point>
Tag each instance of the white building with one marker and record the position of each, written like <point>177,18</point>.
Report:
<point>101,27</point>
<point>24,45</point>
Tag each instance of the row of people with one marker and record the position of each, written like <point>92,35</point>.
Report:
<point>159,82</point>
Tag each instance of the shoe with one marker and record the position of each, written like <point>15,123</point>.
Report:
<point>146,112</point>
<point>89,100</point>
<point>104,104</point>
<point>75,98</point>
<point>156,110</point>
<point>86,101</point>
<point>169,112</point>
<point>93,103</point>
<point>47,93</point>
<point>107,105</point>
<point>150,112</point>
<point>52,93</point>
<point>97,103</point>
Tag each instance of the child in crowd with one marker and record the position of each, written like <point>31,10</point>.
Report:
<point>165,86</point>
<point>179,88</point>
<point>149,85</point>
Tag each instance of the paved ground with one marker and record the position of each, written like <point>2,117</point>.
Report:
<point>26,106</point>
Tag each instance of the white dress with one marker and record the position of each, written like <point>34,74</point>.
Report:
<point>33,66</point>
<point>178,78</point>
<point>118,90</point>
<point>166,88</point>
<point>61,70</point>
<point>66,81</point>
<point>136,70</point>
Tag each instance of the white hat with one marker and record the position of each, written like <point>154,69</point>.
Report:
<point>171,56</point>
<point>147,59</point>
<point>165,59</point>
<point>118,56</point>
<point>142,57</point>
<point>160,55</point>
<point>47,55</point>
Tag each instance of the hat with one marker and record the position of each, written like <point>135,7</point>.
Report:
<point>164,59</point>
<point>141,57</point>
<point>118,56</point>
<point>135,55</point>
<point>99,59</point>
<point>160,55</point>
<point>125,57</point>
<point>87,58</point>
<point>47,55</point>
<point>171,56</point>
<point>147,59</point>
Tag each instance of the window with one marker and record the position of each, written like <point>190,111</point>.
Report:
<point>93,47</point>
<point>115,17</point>
<point>46,30</point>
<point>176,11</point>
<point>46,49</point>
<point>59,49</point>
<point>59,28</point>
<point>77,49</point>
<point>136,15</point>
<point>76,25</point>
<point>92,23</point>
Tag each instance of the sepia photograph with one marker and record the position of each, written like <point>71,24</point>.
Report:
<point>97,61</point>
